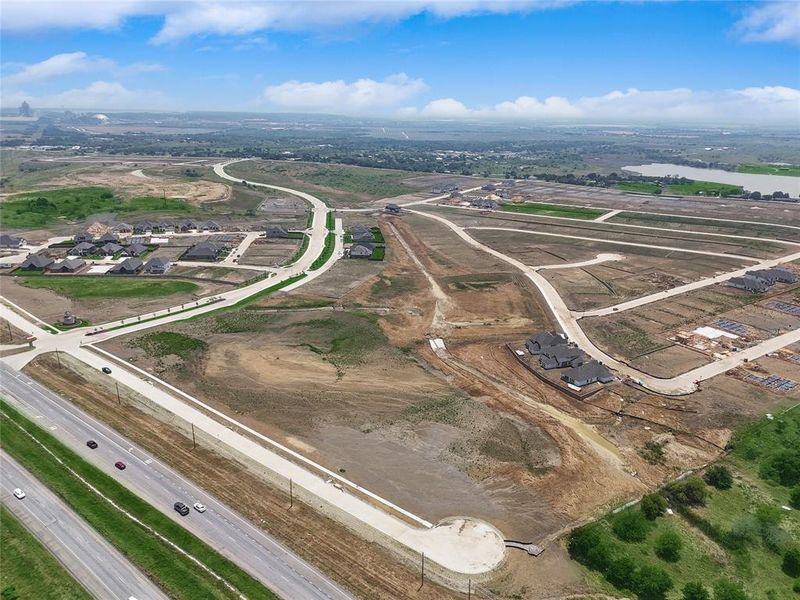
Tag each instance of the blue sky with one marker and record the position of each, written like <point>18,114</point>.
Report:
<point>532,59</point>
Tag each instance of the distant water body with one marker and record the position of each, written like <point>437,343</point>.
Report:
<point>766,184</point>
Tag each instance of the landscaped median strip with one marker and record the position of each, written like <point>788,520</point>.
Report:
<point>554,210</point>
<point>327,252</point>
<point>175,559</point>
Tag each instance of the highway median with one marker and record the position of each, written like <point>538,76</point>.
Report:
<point>172,557</point>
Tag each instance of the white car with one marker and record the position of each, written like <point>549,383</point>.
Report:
<point>199,507</point>
<point>18,493</point>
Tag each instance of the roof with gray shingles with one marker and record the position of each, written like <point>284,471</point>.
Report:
<point>587,373</point>
<point>36,261</point>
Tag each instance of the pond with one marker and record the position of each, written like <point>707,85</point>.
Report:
<point>766,184</point>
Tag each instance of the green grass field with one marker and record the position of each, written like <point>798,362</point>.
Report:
<point>177,575</point>
<point>769,169</point>
<point>739,534</point>
<point>29,570</point>
<point>327,252</point>
<point>704,188</point>
<point>86,288</point>
<point>38,209</point>
<point>164,343</point>
<point>641,187</point>
<point>554,210</point>
<point>299,252</point>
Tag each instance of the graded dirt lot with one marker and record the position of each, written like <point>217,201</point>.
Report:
<point>270,252</point>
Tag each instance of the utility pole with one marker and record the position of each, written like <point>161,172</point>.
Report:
<point>469,589</point>
<point>422,575</point>
<point>194,440</point>
<point>291,494</point>
<point>119,400</point>
<point>58,358</point>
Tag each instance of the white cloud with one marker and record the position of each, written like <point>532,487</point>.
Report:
<point>363,95</point>
<point>184,18</point>
<point>769,105</point>
<point>56,66</point>
<point>97,95</point>
<point>775,21</point>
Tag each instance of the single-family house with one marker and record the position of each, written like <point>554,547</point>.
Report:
<point>186,225</point>
<point>11,241</point>
<point>68,265</point>
<point>361,250</point>
<point>588,373</point>
<point>123,228</point>
<point>109,249</point>
<point>167,226</point>
<point>504,194</point>
<point>158,265</point>
<point>205,251</point>
<point>36,262</point>
<point>489,187</point>
<point>392,208</point>
<point>83,237</point>
<point>444,188</point>
<point>146,227</point>
<point>485,204</point>
<point>209,226</point>
<point>775,275</point>
<point>83,249</point>
<point>129,266</point>
<point>546,339</point>
<point>108,238</point>
<point>277,231</point>
<point>754,285</point>
<point>362,233</point>
<point>558,357</point>
<point>134,250</point>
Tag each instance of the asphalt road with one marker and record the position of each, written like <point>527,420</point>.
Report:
<point>95,563</point>
<point>233,536</point>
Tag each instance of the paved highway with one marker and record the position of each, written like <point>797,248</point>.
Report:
<point>233,536</point>
<point>95,563</point>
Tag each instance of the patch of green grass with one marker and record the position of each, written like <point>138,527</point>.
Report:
<point>378,253</point>
<point>704,188</point>
<point>770,169</point>
<point>392,287</point>
<point>376,182</point>
<point>330,221</point>
<point>38,209</point>
<point>327,252</point>
<point>554,210</point>
<point>79,323</point>
<point>300,251</point>
<point>641,187</point>
<point>164,343</point>
<point>39,452</point>
<point>442,409</point>
<point>345,339</point>
<point>81,288</point>
<point>29,570</point>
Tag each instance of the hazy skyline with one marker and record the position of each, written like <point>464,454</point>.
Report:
<point>703,62</point>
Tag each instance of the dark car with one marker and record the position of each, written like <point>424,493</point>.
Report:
<point>92,444</point>
<point>120,465</point>
<point>106,370</point>
<point>181,509</point>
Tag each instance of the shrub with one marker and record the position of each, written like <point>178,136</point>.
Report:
<point>782,468</point>
<point>725,589</point>
<point>653,452</point>
<point>623,572</point>
<point>719,476</point>
<point>796,586</point>
<point>668,546</point>
<point>695,591</point>
<point>794,497</point>
<point>589,545</point>
<point>745,530</point>
<point>791,562</point>
<point>689,492</point>
<point>653,506</point>
<point>631,526</point>
<point>653,583</point>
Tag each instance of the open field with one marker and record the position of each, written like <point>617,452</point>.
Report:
<point>29,570</point>
<point>174,572</point>
<point>39,209</point>
<point>342,185</point>
<point>50,304</point>
<point>736,532</point>
<point>553,210</point>
<point>791,170</point>
<point>79,288</point>
<point>271,252</point>
<point>640,187</point>
<point>704,188</point>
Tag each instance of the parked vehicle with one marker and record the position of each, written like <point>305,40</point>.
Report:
<point>92,444</point>
<point>18,493</point>
<point>120,465</point>
<point>106,370</point>
<point>181,509</point>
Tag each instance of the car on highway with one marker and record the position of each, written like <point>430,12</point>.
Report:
<point>181,509</point>
<point>201,508</point>
<point>18,493</point>
<point>120,465</point>
<point>106,370</point>
<point>92,444</point>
